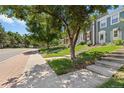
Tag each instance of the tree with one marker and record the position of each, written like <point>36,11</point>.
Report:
<point>42,31</point>
<point>3,37</point>
<point>14,39</point>
<point>17,40</point>
<point>26,40</point>
<point>73,18</point>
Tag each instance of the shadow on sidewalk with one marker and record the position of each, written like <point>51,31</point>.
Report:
<point>40,76</point>
<point>11,82</point>
<point>31,52</point>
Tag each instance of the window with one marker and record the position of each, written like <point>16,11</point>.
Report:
<point>114,19</point>
<point>116,33</point>
<point>103,23</point>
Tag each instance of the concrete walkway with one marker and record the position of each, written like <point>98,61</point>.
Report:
<point>38,74</point>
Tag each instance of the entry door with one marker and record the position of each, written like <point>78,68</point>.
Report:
<point>102,37</point>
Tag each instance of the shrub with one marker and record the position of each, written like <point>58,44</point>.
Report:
<point>118,42</point>
<point>82,43</point>
<point>103,44</point>
<point>96,54</point>
<point>90,56</point>
<point>89,43</point>
<point>87,57</point>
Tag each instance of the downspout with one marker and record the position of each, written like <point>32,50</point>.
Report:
<point>93,32</point>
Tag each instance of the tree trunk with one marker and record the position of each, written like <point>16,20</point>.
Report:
<point>72,51</point>
<point>73,41</point>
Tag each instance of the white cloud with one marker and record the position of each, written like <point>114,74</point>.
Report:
<point>4,18</point>
<point>21,22</point>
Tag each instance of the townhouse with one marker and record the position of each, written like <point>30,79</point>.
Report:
<point>108,27</point>
<point>104,29</point>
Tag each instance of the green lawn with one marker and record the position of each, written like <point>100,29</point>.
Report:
<point>105,49</point>
<point>96,53</point>
<point>62,66</point>
<point>117,81</point>
<point>61,51</point>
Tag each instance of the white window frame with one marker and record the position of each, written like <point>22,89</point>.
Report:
<point>103,21</point>
<point>104,37</point>
<point>117,14</point>
<point>118,37</point>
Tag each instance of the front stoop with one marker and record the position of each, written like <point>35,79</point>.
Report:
<point>109,64</point>
<point>114,55</point>
<point>102,70</point>
<point>114,59</point>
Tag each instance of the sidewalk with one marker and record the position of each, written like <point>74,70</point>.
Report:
<point>11,69</point>
<point>38,74</point>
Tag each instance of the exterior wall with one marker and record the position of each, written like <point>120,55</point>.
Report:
<point>95,29</point>
<point>80,38</point>
<point>110,28</point>
<point>122,23</point>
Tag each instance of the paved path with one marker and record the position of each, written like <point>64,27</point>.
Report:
<point>38,74</point>
<point>13,66</point>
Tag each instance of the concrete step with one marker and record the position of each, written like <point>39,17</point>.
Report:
<point>82,78</point>
<point>118,60</point>
<point>118,52</point>
<point>108,64</point>
<point>102,70</point>
<point>121,49</point>
<point>114,55</point>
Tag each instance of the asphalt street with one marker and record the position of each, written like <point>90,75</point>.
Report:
<point>8,53</point>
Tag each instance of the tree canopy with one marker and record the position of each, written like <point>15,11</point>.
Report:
<point>73,18</point>
<point>13,39</point>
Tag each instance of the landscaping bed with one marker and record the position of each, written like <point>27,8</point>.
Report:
<point>63,66</point>
<point>117,80</point>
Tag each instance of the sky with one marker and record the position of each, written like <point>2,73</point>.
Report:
<point>13,24</point>
<point>16,25</point>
